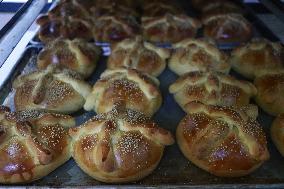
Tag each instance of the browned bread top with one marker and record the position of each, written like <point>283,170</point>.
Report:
<point>113,28</point>
<point>137,90</point>
<point>224,141</point>
<point>113,8</point>
<point>77,55</point>
<point>220,7</point>
<point>198,55</point>
<point>258,55</point>
<point>32,144</point>
<point>227,28</point>
<point>160,8</point>
<point>270,86</point>
<point>212,88</point>
<point>122,145</point>
<point>205,5</point>
<point>65,27</point>
<point>169,28</point>
<point>68,9</point>
<point>138,54</point>
<point>54,89</point>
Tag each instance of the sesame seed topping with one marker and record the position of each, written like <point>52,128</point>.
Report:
<point>131,143</point>
<point>57,91</point>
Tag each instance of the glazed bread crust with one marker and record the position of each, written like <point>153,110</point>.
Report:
<point>169,28</point>
<point>114,28</point>
<point>270,96</point>
<point>138,54</point>
<point>257,56</point>
<point>136,90</point>
<point>224,141</point>
<point>32,144</point>
<point>77,55</point>
<point>54,89</point>
<point>227,28</point>
<point>212,88</point>
<point>198,55</point>
<point>119,146</point>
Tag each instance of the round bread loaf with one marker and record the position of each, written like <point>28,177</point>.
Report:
<point>136,90</point>
<point>72,8</point>
<point>224,141</point>
<point>169,28</point>
<point>54,90</point>
<point>32,144</point>
<point>138,54</point>
<point>257,56</point>
<point>68,19</point>
<point>77,55</point>
<point>114,28</point>
<point>270,87</point>
<point>119,146</point>
<point>227,28</point>
<point>197,55</point>
<point>220,7</point>
<point>212,88</point>
<point>64,27</point>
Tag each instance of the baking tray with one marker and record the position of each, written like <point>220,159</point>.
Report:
<point>174,169</point>
<point>259,28</point>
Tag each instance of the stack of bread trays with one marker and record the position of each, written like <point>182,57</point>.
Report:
<point>121,143</point>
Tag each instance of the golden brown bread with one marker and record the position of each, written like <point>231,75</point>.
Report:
<point>197,55</point>
<point>160,8</point>
<point>136,90</point>
<point>205,5</point>
<point>169,28</point>
<point>66,27</point>
<point>113,28</point>
<point>122,145</point>
<point>220,7</point>
<point>107,8</point>
<point>256,56</point>
<point>138,54</point>
<point>277,133</point>
<point>270,87</point>
<point>212,88</point>
<point>54,89</point>
<point>68,19</point>
<point>32,144</point>
<point>220,4</point>
<point>77,55</point>
<point>125,3</point>
<point>70,9</point>
<point>224,141</point>
<point>227,28</point>
<point>87,4</point>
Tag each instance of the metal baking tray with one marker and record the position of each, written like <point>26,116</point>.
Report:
<point>174,169</point>
<point>259,28</point>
